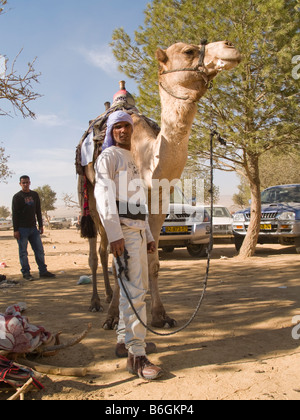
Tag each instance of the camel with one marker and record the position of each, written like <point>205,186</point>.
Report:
<point>185,73</point>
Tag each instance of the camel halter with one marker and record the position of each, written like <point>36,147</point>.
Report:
<point>199,68</point>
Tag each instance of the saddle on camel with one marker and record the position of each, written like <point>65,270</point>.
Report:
<point>90,147</point>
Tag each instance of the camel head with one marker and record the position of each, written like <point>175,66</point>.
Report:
<point>220,56</point>
<point>185,70</point>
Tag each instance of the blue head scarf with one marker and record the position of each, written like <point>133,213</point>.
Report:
<point>114,118</point>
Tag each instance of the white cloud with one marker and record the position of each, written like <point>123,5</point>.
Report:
<point>100,57</point>
<point>46,163</point>
<point>50,120</point>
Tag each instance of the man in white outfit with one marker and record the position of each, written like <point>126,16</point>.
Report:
<point>121,206</point>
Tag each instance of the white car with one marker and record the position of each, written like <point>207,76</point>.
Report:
<point>74,221</point>
<point>5,224</point>
<point>222,222</point>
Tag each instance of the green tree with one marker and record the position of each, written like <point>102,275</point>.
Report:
<point>4,212</point>
<point>48,198</point>
<point>242,198</point>
<point>256,107</point>
<point>197,172</point>
<point>4,170</point>
<point>279,168</point>
<point>276,168</point>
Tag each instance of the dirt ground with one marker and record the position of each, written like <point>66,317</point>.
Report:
<point>239,347</point>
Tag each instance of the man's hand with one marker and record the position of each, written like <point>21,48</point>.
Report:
<point>17,235</point>
<point>117,247</point>
<point>151,247</point>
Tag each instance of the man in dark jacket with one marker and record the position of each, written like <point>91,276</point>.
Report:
<point>26,211</point>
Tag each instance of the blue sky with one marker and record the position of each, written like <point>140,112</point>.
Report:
<point>78,74</point>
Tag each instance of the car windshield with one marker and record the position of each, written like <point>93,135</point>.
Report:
<point>177,196</point>
<point>219,211</point>
<point>284,194</point>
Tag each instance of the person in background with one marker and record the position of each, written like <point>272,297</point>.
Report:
<point>26,213</point>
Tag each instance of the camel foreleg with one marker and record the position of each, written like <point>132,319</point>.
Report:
<point>112,319</point>
<point>160,319</point>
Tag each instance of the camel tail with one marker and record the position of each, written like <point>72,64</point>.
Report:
<point>87,225</point>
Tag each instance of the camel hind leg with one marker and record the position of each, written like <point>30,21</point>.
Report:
<point>92,237</point>
<point>112,318</point>
<point>93,263</point>
<point>90,233</point>
<point>103,252</point>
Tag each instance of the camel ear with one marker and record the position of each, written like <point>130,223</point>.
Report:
<point>161,56</point>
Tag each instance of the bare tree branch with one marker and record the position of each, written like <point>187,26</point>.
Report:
<point>18,90</point>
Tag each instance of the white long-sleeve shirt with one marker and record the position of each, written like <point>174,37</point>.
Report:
<point>118,179</point>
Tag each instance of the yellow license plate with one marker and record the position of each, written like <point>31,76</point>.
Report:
<point>265,227</point>
<point>176,229</point>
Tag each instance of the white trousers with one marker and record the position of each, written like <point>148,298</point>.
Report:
<point>130,330</point>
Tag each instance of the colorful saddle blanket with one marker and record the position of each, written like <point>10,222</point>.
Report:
<point>17,335</point>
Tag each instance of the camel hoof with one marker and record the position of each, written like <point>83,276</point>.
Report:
<point>164,323</point>
<point>106,327</point>
<point>170,323</point>
<point>96,304</point>
<point>111,324</point>
<point>96,308</point>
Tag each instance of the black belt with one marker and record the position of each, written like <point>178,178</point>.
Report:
<point>132,211</point>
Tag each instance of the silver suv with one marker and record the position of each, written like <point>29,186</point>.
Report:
<point>280,218</point>
<point>59,223</point>
<point>185,226</point>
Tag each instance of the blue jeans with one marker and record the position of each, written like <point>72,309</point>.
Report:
<point>34,237</point>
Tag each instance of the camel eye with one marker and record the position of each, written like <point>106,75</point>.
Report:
<point>189,52</point>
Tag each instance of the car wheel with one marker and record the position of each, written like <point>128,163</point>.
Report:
<point>238,241</point>
<point>197,250</point>
<point>168,249</point>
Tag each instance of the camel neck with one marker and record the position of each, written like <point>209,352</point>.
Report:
<point>176,123</point>
<point>176,120</point>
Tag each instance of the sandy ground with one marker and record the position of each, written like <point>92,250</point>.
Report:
<point>240,345</point>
